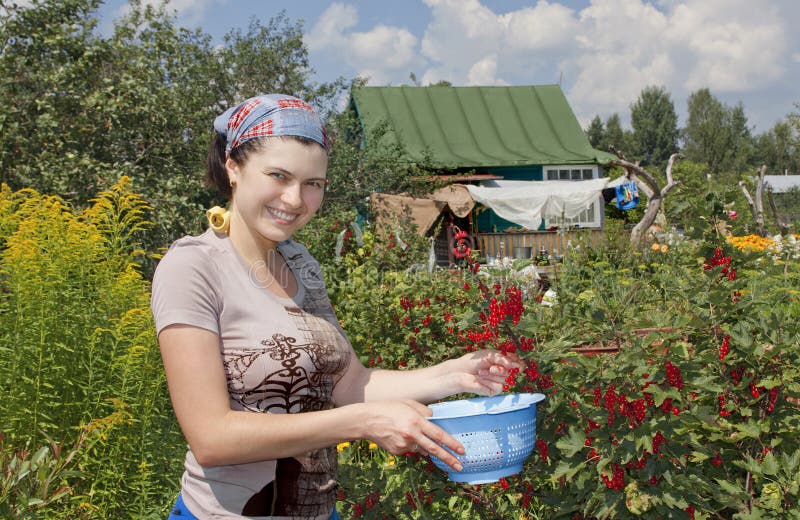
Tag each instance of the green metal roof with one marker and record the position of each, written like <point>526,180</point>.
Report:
<point>472,127</point>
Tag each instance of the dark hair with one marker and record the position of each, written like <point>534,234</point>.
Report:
<point>217,174</point>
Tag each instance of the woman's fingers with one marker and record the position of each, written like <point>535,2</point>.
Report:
<point>433,443</point>
<point>432,439</point>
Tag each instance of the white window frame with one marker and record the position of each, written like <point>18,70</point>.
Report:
<point>591,217</point>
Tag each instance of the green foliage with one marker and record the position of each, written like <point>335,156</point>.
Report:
<point>655,126</point>
<point>779,148</point>
<point>615,135</point>
<point>80,359</point>
<point>670,426</point>
<point>602,136</point>
<point>78,110</point>
<point>595,131</point>
<point>717,135</point>
<point>30,480</point>
<point>362,164</point>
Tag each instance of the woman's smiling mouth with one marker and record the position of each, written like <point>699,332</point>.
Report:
<point>287,217</point>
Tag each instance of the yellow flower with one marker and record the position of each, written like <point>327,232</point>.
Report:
<point>655,247</point>
<point>341,446</point>
<point>752,243</point>
<point>219,219</point>
<point>664,248</point>
<point>390,460</point>
<point>372,445</point>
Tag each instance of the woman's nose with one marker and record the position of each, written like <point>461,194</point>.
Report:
<point>292,195</point>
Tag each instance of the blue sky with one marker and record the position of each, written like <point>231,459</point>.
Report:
<point>602,52</point>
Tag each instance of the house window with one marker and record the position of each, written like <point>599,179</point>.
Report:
<point>592,216</point>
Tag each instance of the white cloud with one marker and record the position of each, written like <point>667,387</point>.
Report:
<point>621,51</point>
<point>390,46</point>
<point>545,25</point>
<point>736,45</point>
<point>460,34</point>
<point>190,12</point>
<point>331,27</point>
<point>606,52</point>
<point>484,72</point>
<point>382,54</point>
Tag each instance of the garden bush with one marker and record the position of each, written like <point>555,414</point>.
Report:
<point>694,414</point>
<point>696,419</point>
<point>79,363</point>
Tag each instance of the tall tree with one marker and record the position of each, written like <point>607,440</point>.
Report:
<point>79,110</point>
<point>717,135</point>
<point>615,136</point>
<point>655,126</point>
<point>742,143</point>
<point>596,132</point>
<point>779,148</point>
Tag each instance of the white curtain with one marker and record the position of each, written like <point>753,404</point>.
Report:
<point>526,203</point>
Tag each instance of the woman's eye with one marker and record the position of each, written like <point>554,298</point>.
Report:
<point>277,176</point>
<point>317,185</point>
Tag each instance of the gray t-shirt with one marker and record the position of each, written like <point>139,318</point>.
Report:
<point>280,355</point>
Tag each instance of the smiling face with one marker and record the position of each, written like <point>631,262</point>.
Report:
<point>277,190</point>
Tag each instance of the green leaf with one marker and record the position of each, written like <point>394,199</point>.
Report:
<point>751,429</point>
<point>673,502</point>
<point>564,469</point>
<point>749,464</point>
<point>732,488</point>
<point>769,466</point>
<point>708,383</point>
<point>698,457</point>
<point>790,462</point>
<point>770,382</point>
<point>572,444</point>
<point>451,504</point>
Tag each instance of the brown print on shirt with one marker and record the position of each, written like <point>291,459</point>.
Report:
<point>284,377</point>
<point>298,378</point>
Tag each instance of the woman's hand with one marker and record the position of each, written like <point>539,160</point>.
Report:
<point>402,427</point>
<point>484,372</point>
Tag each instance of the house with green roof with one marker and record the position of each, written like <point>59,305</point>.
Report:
<point>498,135</point>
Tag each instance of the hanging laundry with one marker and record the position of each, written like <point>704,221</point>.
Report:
<point>627,196</point>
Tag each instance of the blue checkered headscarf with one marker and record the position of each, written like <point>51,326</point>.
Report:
<point>270,115</point>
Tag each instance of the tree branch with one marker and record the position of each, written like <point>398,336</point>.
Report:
<point>783,224</point>
<point>757,205</point>
<point>648,185</point>
<point>634,168</point>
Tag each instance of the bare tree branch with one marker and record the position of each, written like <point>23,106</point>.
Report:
<point>757,205</point>
<point>783,224</point>
<point>648,185</point>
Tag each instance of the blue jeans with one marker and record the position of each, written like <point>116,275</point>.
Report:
<point>181,512</point>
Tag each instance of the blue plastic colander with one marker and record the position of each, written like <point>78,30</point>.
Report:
<point>498,434</point>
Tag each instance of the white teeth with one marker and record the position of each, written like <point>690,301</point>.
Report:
<point>281,215</point>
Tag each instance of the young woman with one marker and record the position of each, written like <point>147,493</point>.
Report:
<point>263,380</point>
